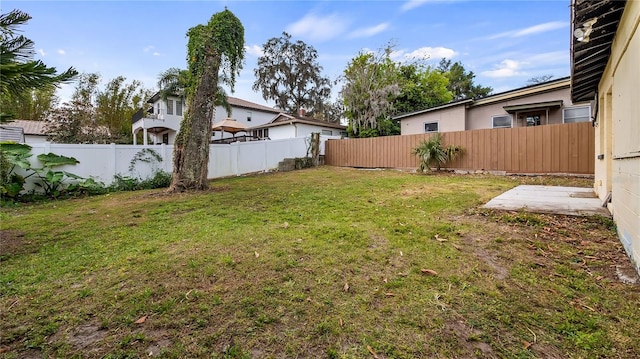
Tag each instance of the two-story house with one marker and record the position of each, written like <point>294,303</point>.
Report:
<point>161,122</point>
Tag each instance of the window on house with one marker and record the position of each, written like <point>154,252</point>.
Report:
<point>431,127</point>
<point>165,138</point>
<point>576,114</point>
<point>326,132</point>
<point>158,108</point>
<point>502,121</point>
<point>261,133</point>
<point>249,116</point>
<point>169,107</point>
<point>179,107</point>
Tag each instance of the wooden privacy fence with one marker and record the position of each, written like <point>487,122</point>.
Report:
<point>562,148</point>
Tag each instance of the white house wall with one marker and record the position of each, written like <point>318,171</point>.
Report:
<point>241,115</point>
<point>617,137</point>
<point>448,119</point>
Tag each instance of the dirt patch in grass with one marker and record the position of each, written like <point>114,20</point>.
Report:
<point>13,242</point>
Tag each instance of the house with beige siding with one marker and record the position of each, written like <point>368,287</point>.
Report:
<point>605,70</point>
<point>536,105</point>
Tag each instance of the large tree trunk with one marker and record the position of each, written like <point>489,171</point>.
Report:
<point>191,148</point>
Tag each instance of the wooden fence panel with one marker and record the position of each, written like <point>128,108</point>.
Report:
<point>562,148</point>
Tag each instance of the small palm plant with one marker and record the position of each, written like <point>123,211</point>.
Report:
<point>432,153</point>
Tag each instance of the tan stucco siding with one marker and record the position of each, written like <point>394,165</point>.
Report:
<point>448,119</point>
<point>618,134</point>
<point>479,117</point>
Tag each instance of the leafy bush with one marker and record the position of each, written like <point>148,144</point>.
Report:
<point>160,179</point>
<point>432,153</point>
<point>52,182</point>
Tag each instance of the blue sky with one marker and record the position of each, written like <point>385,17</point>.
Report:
<point>504,43</point>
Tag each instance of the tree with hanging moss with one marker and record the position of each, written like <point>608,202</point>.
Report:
<point>215,54</point>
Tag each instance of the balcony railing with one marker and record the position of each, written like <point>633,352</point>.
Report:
<point>140,114</point>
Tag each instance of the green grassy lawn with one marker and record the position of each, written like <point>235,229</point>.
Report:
<point>320,263</point>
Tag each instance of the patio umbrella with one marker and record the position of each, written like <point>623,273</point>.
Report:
<point>229,125</point>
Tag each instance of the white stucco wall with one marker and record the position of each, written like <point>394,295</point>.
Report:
<point>618,133</point>
<point>241,115</point>
<point>448,119</point>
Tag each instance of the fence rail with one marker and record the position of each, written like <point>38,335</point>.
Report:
<point>562,148</point>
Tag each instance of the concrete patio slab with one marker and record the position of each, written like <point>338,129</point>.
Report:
<point>573,201</point>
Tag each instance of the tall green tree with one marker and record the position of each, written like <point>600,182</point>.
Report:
<point>370,83</point>
<point>215,55</point>
<point>421,87</point>
<point>32,105</point>
<point>290,74</point>
<point>75,121</point>
<point>95,115</point>
<point>116,104</point>
<point>461,81</point>
<point>20,73</point>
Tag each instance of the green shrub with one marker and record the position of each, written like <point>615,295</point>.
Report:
<point>432,153</point>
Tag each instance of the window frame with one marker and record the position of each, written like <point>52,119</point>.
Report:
<point>249,116</point>
<point>169,107</point>
<point>178,107</point>
<point>576,107</point>
<point>326,133</point>
<point>424,125</point>
<point>493,123</point>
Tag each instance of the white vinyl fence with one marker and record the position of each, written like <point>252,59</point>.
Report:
<point>103,162</point>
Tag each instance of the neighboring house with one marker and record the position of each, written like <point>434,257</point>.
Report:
<point>290,126</point>
<point>162,122</point>
<point>535,105</point>
<point>23,131</point>
<point>605,69</point>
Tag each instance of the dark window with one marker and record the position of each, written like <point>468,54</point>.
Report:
<point>179,107</point>
<point>165,138</point>
<point>431,127</point>
<point>248,116</point>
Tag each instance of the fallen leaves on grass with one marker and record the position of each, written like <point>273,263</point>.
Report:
<point>441,240</point>
<point>141,320</point>
<point>346,287</point>
<point>428,271</point>
<point>375,356</point>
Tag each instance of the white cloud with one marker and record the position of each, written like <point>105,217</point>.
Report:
<point>148,48</point>
<point>318,28</point>
<point>427,52</point>
<point>412,4</point>
<point>536,29</point>
<point>156,53</point>
<point>61,52</point>
<point>42,53</point>
<point>507,68</point>
<point>531,30</point>
<point>254,50</point>
<point>369,31</point>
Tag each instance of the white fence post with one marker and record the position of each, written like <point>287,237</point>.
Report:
<point>114,165</point>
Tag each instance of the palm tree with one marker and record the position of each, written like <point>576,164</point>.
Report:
<point>20,73</point>
<point>432,152</point>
